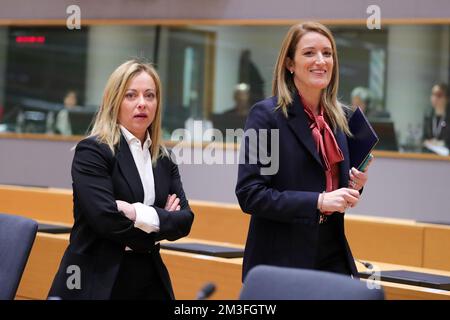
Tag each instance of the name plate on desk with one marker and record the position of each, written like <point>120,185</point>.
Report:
<point>413,278</point>
<point>205,249</point>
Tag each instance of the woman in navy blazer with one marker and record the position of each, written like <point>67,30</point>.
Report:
<point>297,213</point>
<point>114,251</point>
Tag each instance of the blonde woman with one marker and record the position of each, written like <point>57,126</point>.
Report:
<point>127,196</point>
<point>297,214</point>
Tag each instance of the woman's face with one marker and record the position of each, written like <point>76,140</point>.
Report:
<point>437,97</point>
<point>70,100</point>
<point>313,62</point>
<point>139,104</point>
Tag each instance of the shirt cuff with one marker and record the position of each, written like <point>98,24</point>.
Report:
<point>146,218</point>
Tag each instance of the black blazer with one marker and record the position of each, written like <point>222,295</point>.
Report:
<point>445,130</point>
<point>284,220</point>
<point>100,232</point>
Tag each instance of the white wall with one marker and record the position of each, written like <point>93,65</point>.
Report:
<point>110,46</point>
<point>224,9</point>
<point>445,56</point>
<point>230,41</point>
<point>413,66</point>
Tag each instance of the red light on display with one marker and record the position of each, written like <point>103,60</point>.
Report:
<point>30,39</point>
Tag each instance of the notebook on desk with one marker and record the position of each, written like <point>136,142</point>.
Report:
<point>53,228</point>
<point>413,278</point>
<point>205,249</point>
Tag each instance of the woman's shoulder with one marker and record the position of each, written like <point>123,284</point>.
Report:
<point>166,157</point>
<point>89,141</point>
<point>167,161</point>
<point>266,113</point>
<point>92,144</point>
<point>265,107</point>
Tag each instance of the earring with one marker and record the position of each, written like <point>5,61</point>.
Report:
<point>292,72</point>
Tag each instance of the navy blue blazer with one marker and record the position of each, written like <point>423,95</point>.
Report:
<point>100,232</point>
<point>284,220</point>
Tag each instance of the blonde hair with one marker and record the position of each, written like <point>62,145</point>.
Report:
<point>106,127</point>
<point>283,83</point>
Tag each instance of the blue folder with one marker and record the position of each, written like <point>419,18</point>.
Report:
<point>364,139</point>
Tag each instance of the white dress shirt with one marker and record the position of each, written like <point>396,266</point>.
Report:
<point>146,217</point>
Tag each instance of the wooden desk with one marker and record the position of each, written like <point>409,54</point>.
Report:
<point>189,272</point>
<point>397,241</point>
<point>397,291</point>
<point>384,239</point>
<point>436,247</point>
<point>50,204</point>
<point>219,222</point>
<point>42,265</point>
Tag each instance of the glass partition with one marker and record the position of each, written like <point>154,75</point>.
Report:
<point>52,78</point>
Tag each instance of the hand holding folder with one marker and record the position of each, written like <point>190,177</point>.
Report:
<point>362,142</point>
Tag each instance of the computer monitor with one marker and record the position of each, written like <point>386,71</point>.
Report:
<point>34,115</point>
<point>81,119</point>
<point>227,121</point>
<point>386,133</point>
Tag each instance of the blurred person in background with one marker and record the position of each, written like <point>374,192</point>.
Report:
<point>62,123</point>
<point>436,128</point>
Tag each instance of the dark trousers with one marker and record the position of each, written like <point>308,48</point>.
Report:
<point>138,279</point>
<point>331,255</point>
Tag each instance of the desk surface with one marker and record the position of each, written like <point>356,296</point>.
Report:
<point>403,291</point>
<point>189,272</point>
<point>398,241</point>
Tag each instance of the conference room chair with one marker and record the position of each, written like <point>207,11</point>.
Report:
<point>17,236</point>
<point>279,283</point>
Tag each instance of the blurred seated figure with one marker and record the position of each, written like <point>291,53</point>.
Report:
<point>241,100</point>
<point>363,98</point>
<point>62,124</point>
<point>249,74</point>
<point>236,116</point>
<point>436,128</point>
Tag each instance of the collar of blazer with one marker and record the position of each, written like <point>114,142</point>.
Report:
<point>129,170</point>
<point>298,122</point>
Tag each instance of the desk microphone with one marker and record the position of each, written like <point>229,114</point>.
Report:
<point>368,265</point>
<point>207,290</point>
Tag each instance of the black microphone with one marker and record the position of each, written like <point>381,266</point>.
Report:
<point>366,264</point>
<point>207,290</point>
